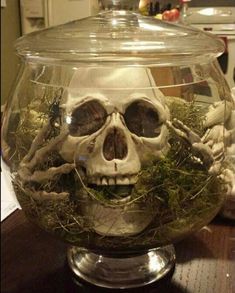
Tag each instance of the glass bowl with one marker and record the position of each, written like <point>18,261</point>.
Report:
<point>115,140</point>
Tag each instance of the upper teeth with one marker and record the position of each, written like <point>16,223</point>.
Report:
<point>118,180</point>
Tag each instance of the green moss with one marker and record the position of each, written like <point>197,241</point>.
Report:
<point>182,199</point>
<point>181,193</point>
<point>190,114</point>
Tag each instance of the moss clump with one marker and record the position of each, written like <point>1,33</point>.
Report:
<point>191,114</point>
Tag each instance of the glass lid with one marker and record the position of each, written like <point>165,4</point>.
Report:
<point>118,35</point>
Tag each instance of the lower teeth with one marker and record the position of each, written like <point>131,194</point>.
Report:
<point>114,191</point>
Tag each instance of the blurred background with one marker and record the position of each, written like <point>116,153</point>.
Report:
<point>19,17</point>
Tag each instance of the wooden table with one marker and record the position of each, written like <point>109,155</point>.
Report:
<point>34,262</point>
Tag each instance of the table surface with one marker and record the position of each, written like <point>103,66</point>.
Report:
<point>32,261</point>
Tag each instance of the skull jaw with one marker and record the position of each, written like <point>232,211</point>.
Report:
<point>121,218</point>
<point>119,221</point>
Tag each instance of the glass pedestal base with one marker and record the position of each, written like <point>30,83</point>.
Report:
<point>121,272</point>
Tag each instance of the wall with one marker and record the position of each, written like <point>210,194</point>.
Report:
<point>10,31</point>
<point>197,3</point>
<point>211,3</point>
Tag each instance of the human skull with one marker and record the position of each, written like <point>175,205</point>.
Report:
<point>116,119</point>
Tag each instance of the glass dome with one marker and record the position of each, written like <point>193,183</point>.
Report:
<point>120,36</point>
<point>115,133</point>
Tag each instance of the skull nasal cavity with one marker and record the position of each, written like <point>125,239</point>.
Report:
<point>115,146</point>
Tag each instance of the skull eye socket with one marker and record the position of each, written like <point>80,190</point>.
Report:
<point>142,119</point>
<point>87,119</point>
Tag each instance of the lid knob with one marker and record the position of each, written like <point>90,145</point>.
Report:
<point>120,4</point>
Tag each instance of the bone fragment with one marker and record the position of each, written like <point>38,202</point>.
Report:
<point>193,139</point>
<point>111,181</point>
<point>205,152</point>
<point>228,176</point>
<point>122,181</point>
<point>229,137</point>
<point>104,181</point>
<point>218,113</point>
<point>37,142</point>
<point>41,176</point>
<point>41,154</point>
<point>43,195</point>
<point>183,131</point>
<point>214,135</point>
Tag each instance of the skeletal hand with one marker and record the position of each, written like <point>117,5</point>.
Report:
<point>37,155</point>
<point>193,139</point>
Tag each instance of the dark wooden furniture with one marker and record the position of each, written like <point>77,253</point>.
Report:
<point>34,262</point>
